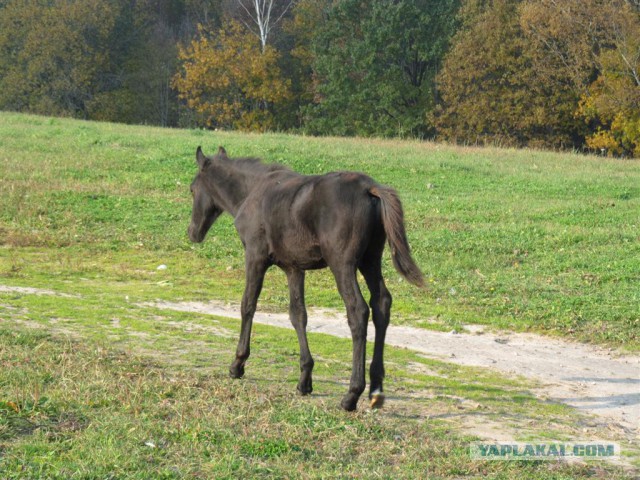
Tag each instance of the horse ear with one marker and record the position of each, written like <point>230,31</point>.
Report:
<point>201,160</point>
<point>221,151</point>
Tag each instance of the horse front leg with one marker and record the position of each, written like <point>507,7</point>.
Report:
<point>298,317</point>
<point>254,273</point>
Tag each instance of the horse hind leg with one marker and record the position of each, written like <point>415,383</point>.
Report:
<point>298,317</point>
<point>357,315</point>
<point>380,304</point>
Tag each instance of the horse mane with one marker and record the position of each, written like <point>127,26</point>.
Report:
<point>255,165</point>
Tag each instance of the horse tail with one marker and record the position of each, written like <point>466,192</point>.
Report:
<point>393,223</point>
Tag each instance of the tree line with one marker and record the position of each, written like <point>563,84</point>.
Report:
<point>540,73</point>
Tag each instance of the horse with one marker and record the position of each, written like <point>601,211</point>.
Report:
<point>296,222</point>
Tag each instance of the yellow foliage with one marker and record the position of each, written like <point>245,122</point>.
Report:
<point>613,100</point>
<point>229,81</point>
<point>603,141</point>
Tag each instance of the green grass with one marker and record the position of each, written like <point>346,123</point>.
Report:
<point>93,385</point>
<point>517,239</point>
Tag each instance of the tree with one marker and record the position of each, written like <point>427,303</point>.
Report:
<point>90,59</point>
<point>230,82</point>
<point>596,43</point>
<point>264,15</point>
<point>375,64</point>
<point>298,53</point>
<point>201,12</point>
<point>52,55</point>
<point>493,89</point>
<point>612,102</point>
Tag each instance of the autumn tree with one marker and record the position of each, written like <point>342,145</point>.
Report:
<point>587,40</point>
<point>52,54</point>
<point>549,73</point>
<point>493,91</point>
<point>612,102</point>
<point>229,81</point>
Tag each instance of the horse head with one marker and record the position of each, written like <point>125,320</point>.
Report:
<point>205,208</point>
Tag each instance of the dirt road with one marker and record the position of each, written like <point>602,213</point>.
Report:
<point>595,380</point>
<point>590,378</point>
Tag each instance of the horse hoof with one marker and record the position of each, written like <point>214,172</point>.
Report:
<point>304,391</point>
<point>236,372</point>
<point>377,399</point>
<point>349,403</point>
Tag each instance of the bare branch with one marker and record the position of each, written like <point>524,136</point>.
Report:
<point>261,14</point>
<point>248,13</point>
<point>632,69</point>
<point>286,9</point>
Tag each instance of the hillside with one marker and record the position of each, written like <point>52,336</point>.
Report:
<point>100,378</point>
<point>517,239</point>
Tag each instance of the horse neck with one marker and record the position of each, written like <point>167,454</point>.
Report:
<point>230,185</point>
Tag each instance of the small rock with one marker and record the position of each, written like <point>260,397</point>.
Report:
<point>161,267</point>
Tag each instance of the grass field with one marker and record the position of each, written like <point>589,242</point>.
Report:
<point>523,240</point>
<point>94,386</point>
<point>120,391</point>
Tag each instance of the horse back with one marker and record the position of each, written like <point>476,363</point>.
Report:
<point>305,221</point>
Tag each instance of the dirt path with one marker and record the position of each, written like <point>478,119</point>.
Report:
<point>592,379</point>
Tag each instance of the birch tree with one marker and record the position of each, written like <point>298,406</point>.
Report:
<point>264,15</point>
